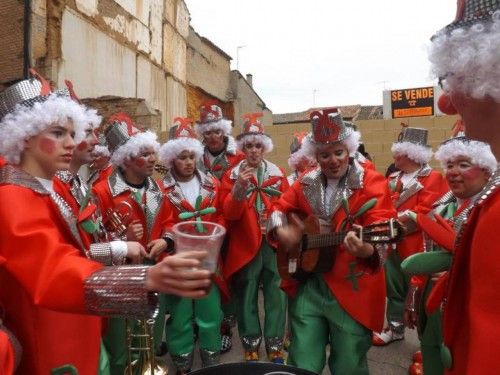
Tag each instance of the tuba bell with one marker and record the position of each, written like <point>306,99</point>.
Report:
<point>142,342</point>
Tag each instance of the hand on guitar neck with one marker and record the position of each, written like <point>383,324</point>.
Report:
<point>290,236</point>
<point>355,246</point>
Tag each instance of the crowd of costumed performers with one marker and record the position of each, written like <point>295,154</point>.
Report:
<point>344,257</point>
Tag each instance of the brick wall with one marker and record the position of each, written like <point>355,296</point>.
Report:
<point>11,51</point>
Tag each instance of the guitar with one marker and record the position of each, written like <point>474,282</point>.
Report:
<point>316,252</point>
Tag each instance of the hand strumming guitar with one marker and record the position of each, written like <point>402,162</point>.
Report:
<point>356,247</point>
<point>290,235</point>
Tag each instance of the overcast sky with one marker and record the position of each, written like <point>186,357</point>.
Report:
<point>349,51</point>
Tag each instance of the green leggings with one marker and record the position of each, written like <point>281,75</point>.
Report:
<point>316,319</point>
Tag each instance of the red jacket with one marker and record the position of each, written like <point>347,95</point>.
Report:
<point>365,302</point>
<point>176,203</point>
<point>472,312</point>
<point>419,197</point>
<point>151,212</point>
<point>245,234</point>
<point>44,272</point>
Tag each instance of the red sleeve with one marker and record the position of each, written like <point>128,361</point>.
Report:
<point>37,254</point>
<point>434,187</point>
<point>232,209</point>
<point>375,186</point>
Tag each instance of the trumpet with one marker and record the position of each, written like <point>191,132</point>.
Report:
<point>116,220</point>
<point>147,363</point>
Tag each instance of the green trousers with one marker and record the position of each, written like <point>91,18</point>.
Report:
<point>245,287</point>
<point>431,337</point>
<point>316,319</point>
<point>397,288</point>
<point>206,313</point>
<point>115,339</point>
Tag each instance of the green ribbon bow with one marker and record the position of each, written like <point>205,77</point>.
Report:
<point>368,205</point>
<point>197,214</point>
<point>259,205</point>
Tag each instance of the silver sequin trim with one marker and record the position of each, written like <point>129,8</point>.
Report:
<point>14,176</point>
<point>209,358</point>
<point>277,219</point>
<point>102,253</point>
<point>120,291</point>
<point>154,196</point>
<point>251,343</point>
<point>273,344</point>
<point>175,195</point>
<point>314,190</point>
<point>183,362</point>
<point>70,219</point>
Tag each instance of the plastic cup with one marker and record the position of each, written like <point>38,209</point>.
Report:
<point>200,236</point>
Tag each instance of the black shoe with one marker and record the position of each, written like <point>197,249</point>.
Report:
<point>226,338</point>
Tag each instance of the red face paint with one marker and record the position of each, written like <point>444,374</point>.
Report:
<point>82,146</point>
<point>140,162</point>
<point>472,173</point>
<point>47,145</point>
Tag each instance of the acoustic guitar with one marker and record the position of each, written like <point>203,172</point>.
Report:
<point>315,253</point>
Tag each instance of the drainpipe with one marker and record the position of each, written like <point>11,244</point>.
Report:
<point>27,38</point>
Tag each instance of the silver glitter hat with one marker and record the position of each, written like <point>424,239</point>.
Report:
<point>120,129</point>
<point>25,93</point>
<point>328,126</point>
<point>470,12</point>
<point>417,136</point>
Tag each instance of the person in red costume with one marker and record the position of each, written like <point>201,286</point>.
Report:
<point>468,165</point>
<point>77,194</point>
<point>249,189</point>
<point>54,293</point>
<point>298,161</point>
<point>416,186</point>
<point>100,168</point>
<point>191,195</point>
<point>465,56</point>
<point>132,190</point>
<point>343,305</point>
<point>220,154</point>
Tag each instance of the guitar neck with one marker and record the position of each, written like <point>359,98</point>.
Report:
<point>323,240</point>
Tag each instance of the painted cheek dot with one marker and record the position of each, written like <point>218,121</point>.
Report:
<point>140,162</point>
<point>82,146</point>
<point>47,145</point>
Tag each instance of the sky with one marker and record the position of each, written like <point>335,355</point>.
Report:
<point>321,53</point>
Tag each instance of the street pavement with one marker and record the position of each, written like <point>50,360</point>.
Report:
<point>393,359</point>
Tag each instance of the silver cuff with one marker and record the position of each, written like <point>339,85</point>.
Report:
<point>239,192</point>
<point>101,253</point>
<point>120,291</point>
<point>273,344</point>
<point>277,219</point>
<point>209,358</point>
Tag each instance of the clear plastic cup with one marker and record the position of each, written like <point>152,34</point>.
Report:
<point>198,236</point>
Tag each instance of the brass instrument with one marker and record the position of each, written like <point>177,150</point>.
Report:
<point>161,169</point>
<point>116,220</point>
<point>147,363</point>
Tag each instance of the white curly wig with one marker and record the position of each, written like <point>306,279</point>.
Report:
<point>173,148</point>
<point>266,141</point>
<point>25,122</point>
<point>93,118</point>
<point>101,151</point>
<point>309,147</point>
<point>469,59</point>
<point>479,153</point>
<point>418,153</point>
<point>222,124</point>
<point>133,147</point>
<point>297,157</point>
